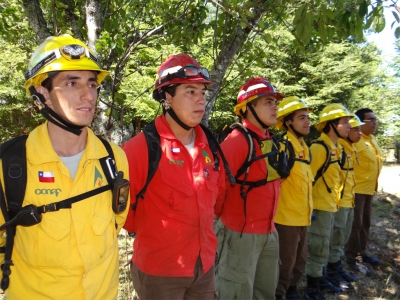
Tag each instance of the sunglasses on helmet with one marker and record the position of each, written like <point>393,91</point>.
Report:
<point>187,71</point>
<point>69,52</point>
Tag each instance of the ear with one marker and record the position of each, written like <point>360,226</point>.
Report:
<point>168,98</point>
<point>42,90</point>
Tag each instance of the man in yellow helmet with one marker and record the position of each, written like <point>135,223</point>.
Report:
<point>293,214</point>
<point>326,153</point>
<point>344,216</point>
<point>367,173</point>
<point>72,253</point>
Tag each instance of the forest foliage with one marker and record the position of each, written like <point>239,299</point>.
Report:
<point>313,49</point>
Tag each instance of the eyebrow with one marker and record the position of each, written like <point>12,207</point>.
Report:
<point>194,87</point>
<point>74,77</point>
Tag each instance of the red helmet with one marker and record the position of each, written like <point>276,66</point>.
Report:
<point>181,68</point>
<point>255,88</point>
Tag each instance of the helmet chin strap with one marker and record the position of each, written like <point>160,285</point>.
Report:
<point>256,116</point>
<point>173,115</point>
<point>349,139</point>
<point>296,133</point>
<point>52,116</point>
<point>336,132</point>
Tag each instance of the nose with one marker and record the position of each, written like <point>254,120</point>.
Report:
<point>201,98</point>
<point>88,93</point>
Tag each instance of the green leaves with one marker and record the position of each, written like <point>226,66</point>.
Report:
<point>303,22</point>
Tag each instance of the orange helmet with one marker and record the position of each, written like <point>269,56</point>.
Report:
<point>181,68</point>
<point>254,88</point>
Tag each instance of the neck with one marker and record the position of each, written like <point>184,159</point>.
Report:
<point>332,135</point>
<point>185,136</point>
<point>66,143</point>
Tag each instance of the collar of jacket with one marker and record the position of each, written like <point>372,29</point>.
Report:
<point>40,149</point>
<point>297,146</point>
<point>324,137</point>
<point>165,131</point>
<point>255,129</point>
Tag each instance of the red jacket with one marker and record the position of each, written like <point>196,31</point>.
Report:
<point>174,222</point>
<point>261,201</point>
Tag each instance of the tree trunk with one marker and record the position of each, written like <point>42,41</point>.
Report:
<point>36,20</point>
<point>226,55</point>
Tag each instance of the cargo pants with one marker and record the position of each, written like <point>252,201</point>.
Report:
<point>246,264</point>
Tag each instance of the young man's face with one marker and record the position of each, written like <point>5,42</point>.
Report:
<point>371,123</point>
<point>266,109</point>
<point>355,134</point>
<point>188,103</point>
<point>300,122</point>
<point>343,127</point>
<point>73,96</point>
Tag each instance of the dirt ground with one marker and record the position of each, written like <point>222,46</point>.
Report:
<point>384,243</point>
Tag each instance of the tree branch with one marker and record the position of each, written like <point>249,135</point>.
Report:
<point>36,20</point>
<point>72,18</point>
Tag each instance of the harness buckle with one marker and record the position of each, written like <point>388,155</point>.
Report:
<point>49,207</point>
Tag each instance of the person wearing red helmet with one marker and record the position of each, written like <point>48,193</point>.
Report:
<point>175,245</point>
<point>248,246</point>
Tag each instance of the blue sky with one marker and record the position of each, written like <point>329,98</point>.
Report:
<point>385,39</point>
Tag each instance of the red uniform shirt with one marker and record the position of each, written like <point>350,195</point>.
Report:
<point>174,222</point>
<point>261,201</point>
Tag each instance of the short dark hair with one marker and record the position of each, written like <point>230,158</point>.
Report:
<point>171,89</point>
<point>361,113</point>
<point>289,117</point>
<point>327,128</point>
<point>48,82</point>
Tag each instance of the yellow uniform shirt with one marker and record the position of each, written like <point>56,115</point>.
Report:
<point>295,201</point>
<point>347,192</point>
<point>322,199</point>
<point>367,171</point>
<point>71,253</point>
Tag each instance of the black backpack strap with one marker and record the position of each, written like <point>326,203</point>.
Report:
<point>154,156</point>
<point>13,155</point>
<point>108,163</point>
<point>321,171</point>
<point>215,148</point>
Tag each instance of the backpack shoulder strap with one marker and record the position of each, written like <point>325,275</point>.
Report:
<point>250,143</point>
<point>154,156</point>
<point>13,155</point>
<point>325,165</point>
<point>108,163</point>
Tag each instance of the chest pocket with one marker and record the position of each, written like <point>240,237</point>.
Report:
<point>47,244</point>
<point>177,190</point>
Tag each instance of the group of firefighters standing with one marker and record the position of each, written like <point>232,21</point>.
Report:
<point>199,234</point>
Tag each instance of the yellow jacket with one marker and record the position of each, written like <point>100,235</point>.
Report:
<point>71,253</point>
<point>323,200</point>
<point>295,201</point>
<point>367,172</point>
<point>347,192</point>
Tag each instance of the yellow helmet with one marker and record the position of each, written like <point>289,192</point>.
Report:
<point>332,112</point>
<point>60,53</point>
<point>355,121</point>
<point>287,106</point>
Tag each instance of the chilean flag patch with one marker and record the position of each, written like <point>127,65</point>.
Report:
<point>46,176</point>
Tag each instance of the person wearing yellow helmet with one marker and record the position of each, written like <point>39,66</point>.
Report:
<point>248,246</point>
<point>73,252</point>
<point>326,155</point>
<point>343,220</point>
<point>366,175</point>
<point>293,214</point>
